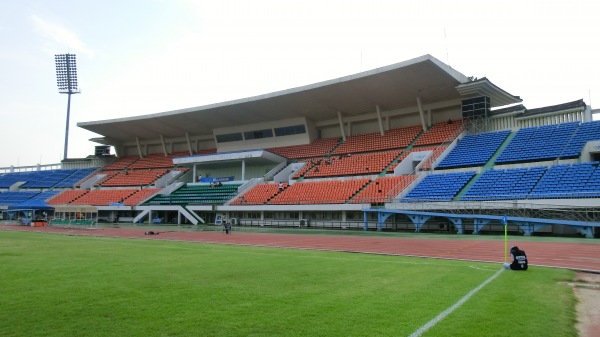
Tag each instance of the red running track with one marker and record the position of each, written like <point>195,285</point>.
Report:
<point>584,255</point>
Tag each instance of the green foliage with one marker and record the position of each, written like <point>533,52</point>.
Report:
<point>56,285</point>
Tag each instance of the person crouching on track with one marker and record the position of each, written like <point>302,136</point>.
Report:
<point>519,259</point>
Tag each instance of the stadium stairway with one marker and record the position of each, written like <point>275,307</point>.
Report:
<point>465,189</point>
<point>488,166</point>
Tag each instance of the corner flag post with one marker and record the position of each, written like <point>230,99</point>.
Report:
<point>505,224</point>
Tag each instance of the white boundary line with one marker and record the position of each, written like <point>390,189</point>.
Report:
<point>456,305</point>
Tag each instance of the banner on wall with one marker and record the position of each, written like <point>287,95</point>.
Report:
<point>216,179</point>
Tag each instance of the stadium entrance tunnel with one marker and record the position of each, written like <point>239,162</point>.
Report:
<point>526,225</point>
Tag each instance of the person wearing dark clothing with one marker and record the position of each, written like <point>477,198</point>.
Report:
<point>227,227</point>
<point>519,259</point>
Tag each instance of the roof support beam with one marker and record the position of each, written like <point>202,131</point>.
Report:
<point>393,113</point>
<point>421,114</point>
<point>429,118</point>
<point>341,121</point>
<point>164,146</point>
<point>139,147</point>
<point>243,169</point>
<point>189,143</point>
<point>381,131</point>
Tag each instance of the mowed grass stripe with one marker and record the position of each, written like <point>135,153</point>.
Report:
<point>55,285</point>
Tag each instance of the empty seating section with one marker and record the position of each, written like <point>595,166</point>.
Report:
<point>474,150</point>
<point>310,163</point>
<point>569,181</point>
<point>135,171</point>
<point>585,133</point>
<point>437,151</point>
<point>46,195</point>
<point>9,198</point>
<point>439,187</point>
<point>378,190</point>
<point>391,139</point>
<point>319,192</point>
<point>66,197</point>
<point>441,133</point>
<point>259,194</point>
<point>13,197</point>
<point>538,143</point>
<point>317,148</point>
<point>103,197</point>
<point>157,160</point>
<point>506,184</point>
<point>354,164</point>
<point>46,179</point>
<point>76,177</point>
<point>8,179</point>
<point>140,196</point>
<point>107,175</point>
<point>197,194</point>
<point>42,179</point>
<point>133,177</point>
<point>121,163</point>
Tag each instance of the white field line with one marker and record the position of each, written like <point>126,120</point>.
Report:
<point>455,306</point>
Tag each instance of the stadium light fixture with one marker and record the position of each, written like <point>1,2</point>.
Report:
<point>66,79</point>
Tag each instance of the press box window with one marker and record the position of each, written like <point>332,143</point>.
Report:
<point>258,134</point>
<point>290,130</point>
<point>230,137</point>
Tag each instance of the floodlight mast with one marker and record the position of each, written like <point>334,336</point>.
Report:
<point>66,79</point>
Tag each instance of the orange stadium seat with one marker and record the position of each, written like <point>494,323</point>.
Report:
<point>352,164</point>
<point>319,192</point>
<point>140,196</point>
<point>104,197</point>
<point>391,139</point>
<point>67,197</point>
<point>121,163</point>
<point>132,177</point>
<point>441,133</point>
<point>259,194</point>
<point>379,189</point>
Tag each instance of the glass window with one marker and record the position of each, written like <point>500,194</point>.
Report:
<point>290,130</point>
<point>231,137</point>
<point>258,134</point>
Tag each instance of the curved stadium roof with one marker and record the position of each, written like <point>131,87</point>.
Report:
<point>391,87</point>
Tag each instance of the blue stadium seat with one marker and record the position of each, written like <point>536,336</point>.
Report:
<point>580,180</point>
<point>474,150</point>
<point>508,184</point>
<point>538,143</point>
<point>439,187</point>
<point>586,132</point>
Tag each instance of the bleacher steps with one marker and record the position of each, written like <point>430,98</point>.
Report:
<point>468,186</point>
<point>490,163</point>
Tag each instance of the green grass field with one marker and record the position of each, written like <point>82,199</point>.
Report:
<point>59,285</point>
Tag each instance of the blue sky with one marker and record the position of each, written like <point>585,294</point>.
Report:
<point>139,57</point>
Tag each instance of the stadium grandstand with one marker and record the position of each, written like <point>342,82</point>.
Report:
<point>411,146</point>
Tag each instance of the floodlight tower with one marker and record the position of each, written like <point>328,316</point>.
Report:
<point>66,78</point>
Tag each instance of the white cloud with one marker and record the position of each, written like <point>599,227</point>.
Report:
<point>56,37</point>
